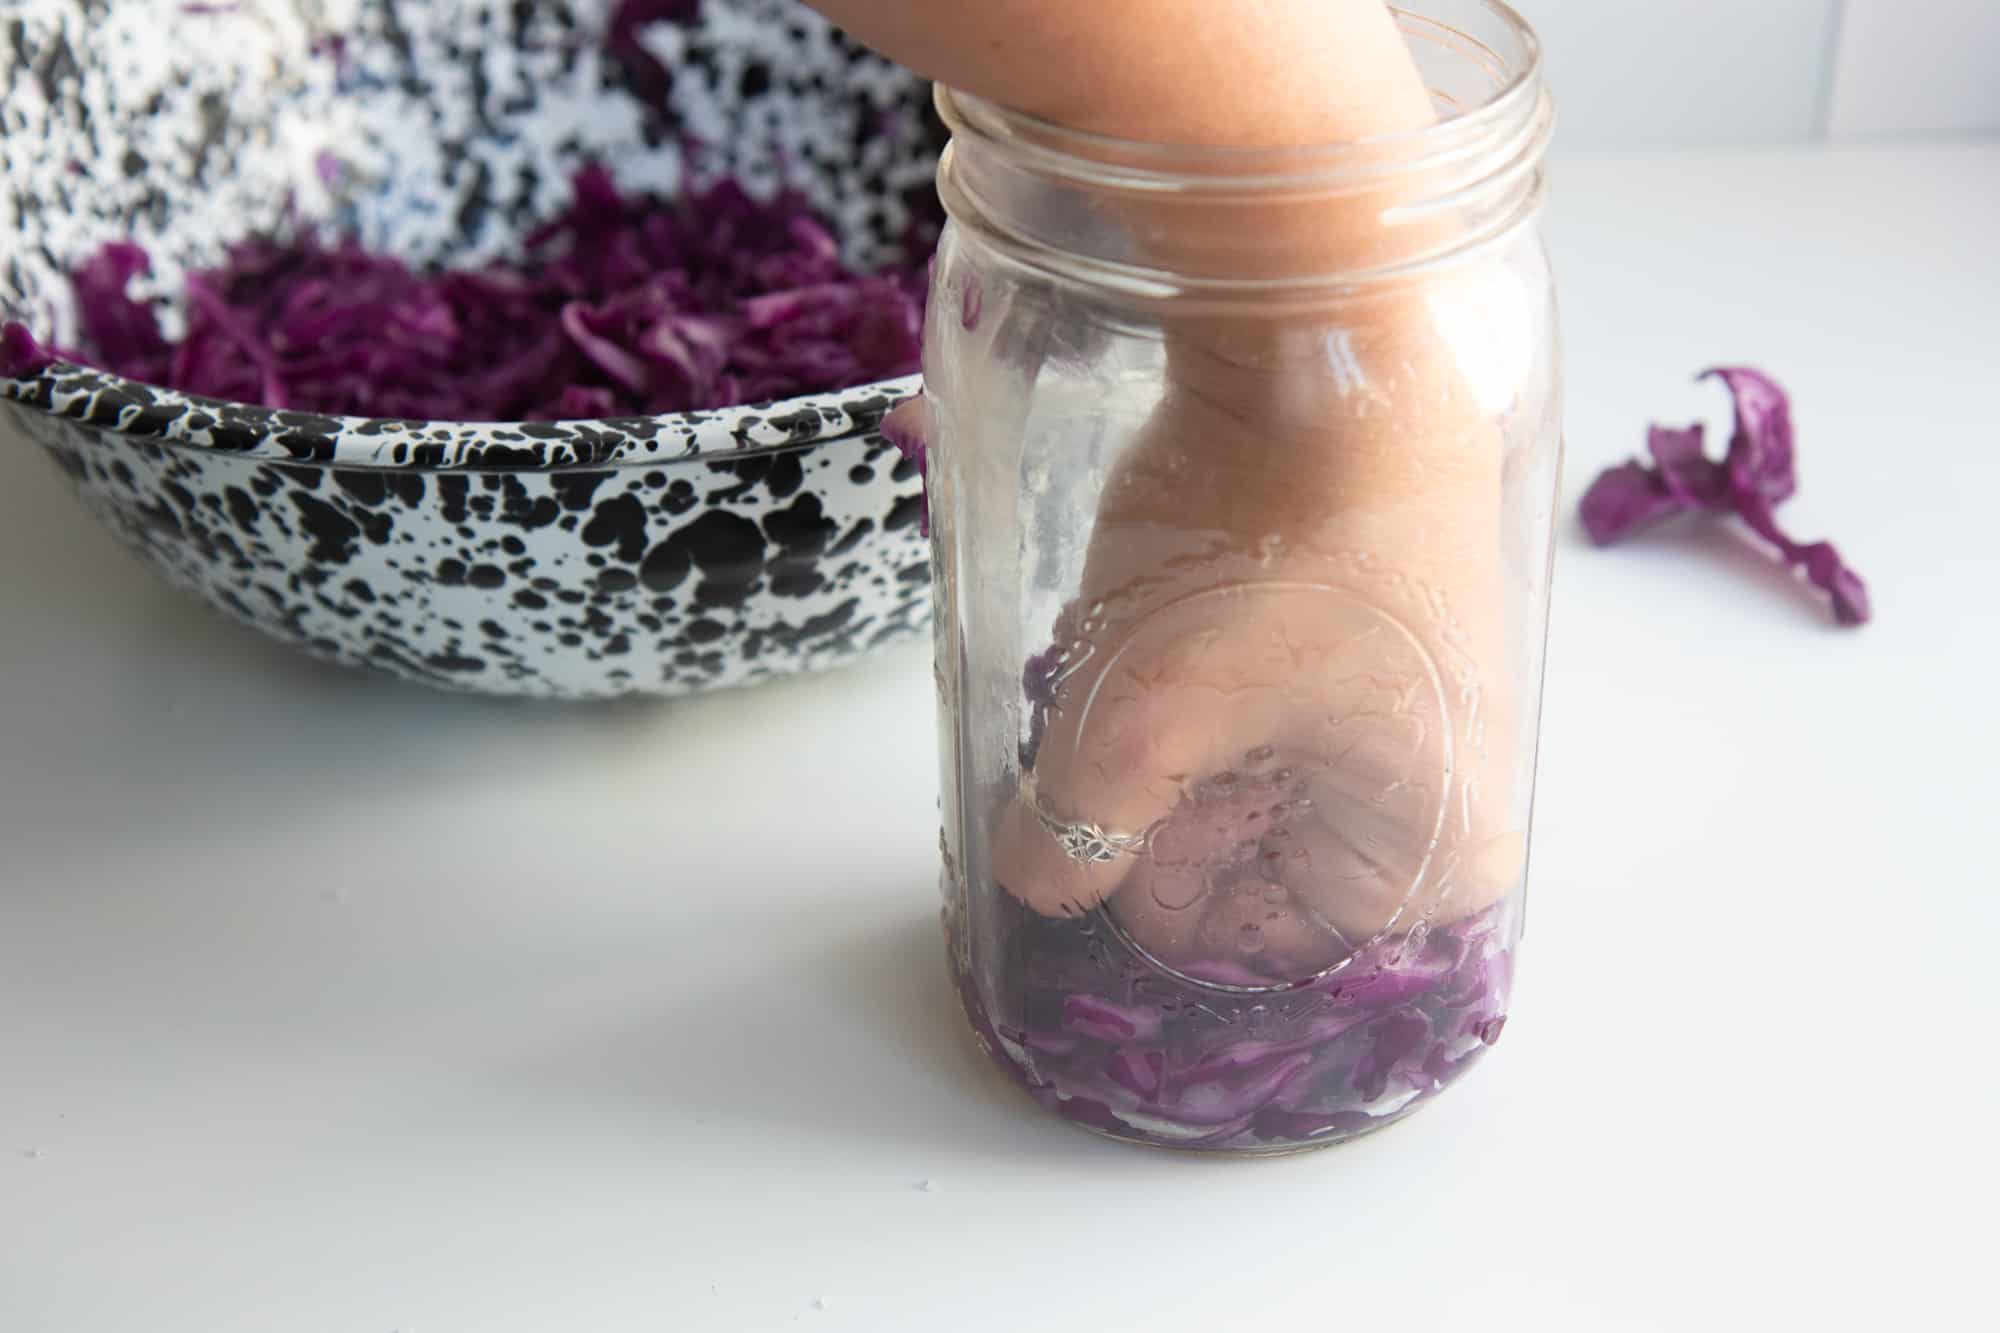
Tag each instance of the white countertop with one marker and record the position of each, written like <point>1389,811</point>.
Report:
<point>330,1005</point>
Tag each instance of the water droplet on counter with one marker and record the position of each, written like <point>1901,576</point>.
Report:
<point>928,1186</point>
<point>32,1154</point>
<point>822,1303</point>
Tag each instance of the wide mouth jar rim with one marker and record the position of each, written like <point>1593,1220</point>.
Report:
<point>1512,111</point>
<point>1230,229</point>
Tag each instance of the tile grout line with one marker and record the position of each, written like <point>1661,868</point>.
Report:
<point>1829,74</point>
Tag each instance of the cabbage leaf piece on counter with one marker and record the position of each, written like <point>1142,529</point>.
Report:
<point>1757,474</point>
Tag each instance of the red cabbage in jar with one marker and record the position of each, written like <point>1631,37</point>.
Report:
<point>1102,1037</point>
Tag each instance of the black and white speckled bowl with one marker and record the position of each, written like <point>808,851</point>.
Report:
<point>567,559</point>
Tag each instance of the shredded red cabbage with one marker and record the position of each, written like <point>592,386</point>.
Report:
<point>907,426</point>
<point>1757,475</point>
<point>21,355</point>
<point>620,307</point>
<point>649,78</point>
<point>1102,1039</point>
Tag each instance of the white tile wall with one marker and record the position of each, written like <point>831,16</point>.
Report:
<point>1673,73</point>
<point>1695,73</point>
<point>1916,65</point>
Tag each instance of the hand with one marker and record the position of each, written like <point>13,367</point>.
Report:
<point>1286,669</point>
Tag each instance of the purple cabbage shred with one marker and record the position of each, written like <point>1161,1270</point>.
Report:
<point>1104,1040</point>
<point>1758,474</point>
<point>1040,680</point>
<point>648,77</point>
<point>907,426</point>
<point>622,306</point>
<point>20,354</point>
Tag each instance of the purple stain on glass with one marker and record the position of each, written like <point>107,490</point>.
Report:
<point>1758,473</point>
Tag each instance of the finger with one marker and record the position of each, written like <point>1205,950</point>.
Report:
<point>1114,761</point>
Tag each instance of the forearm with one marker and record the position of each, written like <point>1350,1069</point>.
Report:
<point>1228,73</point>
<point>1304,446</point>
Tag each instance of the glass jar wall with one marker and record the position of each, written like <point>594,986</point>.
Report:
<point>1242,477</point>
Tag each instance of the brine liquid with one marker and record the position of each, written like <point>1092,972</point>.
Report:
<point>1098,1033</point>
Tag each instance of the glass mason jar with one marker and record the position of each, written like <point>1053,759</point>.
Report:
<point>1242,475</point>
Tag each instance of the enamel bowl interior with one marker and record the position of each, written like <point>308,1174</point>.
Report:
<point>566,559</point>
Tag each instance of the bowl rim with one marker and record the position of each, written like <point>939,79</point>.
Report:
<point>103,401</point>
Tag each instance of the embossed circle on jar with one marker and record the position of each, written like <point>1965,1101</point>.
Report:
<point>1275,863</point>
